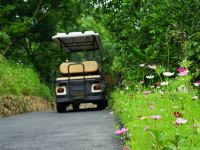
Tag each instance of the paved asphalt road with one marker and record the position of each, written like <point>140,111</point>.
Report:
<point>83,130</point>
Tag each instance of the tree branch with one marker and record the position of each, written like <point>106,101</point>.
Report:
<point>37,8</point>
<point>6,50</point>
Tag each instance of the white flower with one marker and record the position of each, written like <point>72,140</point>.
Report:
<point>150,77</point>
<point>195,97</point>
<point>161,92</point>
<point>168,74</point>
<point>142,65</point>
<point>175,107</point>
<point>146,92</point>
<point>163,110</point>
<point>156,117</point>
<point>127,88</point>
<point>180,121</point>
<point>197,83</point>
<point>111,113</point>
<point>144,117</point>
<point>121,92</point>
<point>164,83</point>
<point>152,66</point>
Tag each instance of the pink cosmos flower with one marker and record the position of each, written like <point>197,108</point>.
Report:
<point>183,73</point>
<point>152,66</point>
<point>146,92</point>
<point>125,148</point>
<point>121,131</point>
<point>197,83</point>
<point>151,107</point>
<point>118,132</point>
<point>156,117</point>
<point>124,130</point>
<point>181,70</point>
<point>157,83</point>
<point>141,81</point>
<point>180,121</point>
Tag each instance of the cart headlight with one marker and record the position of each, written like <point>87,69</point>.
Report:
<point>96,88</point>
<point>60,90</point>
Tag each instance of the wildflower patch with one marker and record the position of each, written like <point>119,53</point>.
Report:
<point>162,111</point>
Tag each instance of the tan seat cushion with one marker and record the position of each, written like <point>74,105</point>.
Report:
<point>90,66</point>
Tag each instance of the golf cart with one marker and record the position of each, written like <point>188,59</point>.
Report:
<point>80,77</point>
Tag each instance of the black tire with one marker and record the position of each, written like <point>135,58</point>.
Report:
<point>76,106</point>
<point>61,107</point>
<point>102,105</point>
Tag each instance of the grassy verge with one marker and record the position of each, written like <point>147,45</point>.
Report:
<point>21,89</point>
<point>15,79</point>
<point>161,117</point>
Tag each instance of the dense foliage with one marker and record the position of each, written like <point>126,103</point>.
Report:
<point>89,23</point>
<point>26,28</point>
<point>151,32</point>
<point>135,32</point>
<point>146,33</point>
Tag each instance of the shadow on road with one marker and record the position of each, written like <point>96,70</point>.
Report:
<point>83,108</point>
<point>70,109</point>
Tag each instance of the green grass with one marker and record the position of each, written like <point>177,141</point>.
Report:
<point>15,79</point>
<point>131,107</point>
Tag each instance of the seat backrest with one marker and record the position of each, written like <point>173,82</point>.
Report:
<point>90,66</point>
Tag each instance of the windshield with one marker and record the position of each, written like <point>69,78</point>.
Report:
<point>85,56</point>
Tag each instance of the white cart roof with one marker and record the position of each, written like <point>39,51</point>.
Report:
<point>78,41</point>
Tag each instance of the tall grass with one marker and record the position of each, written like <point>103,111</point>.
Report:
<point>16,79</point>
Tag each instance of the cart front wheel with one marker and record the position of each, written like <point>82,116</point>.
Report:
<point>61,107</point>
<point>75,107</point>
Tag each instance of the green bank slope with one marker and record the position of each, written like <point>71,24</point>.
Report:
<point>21,89</point>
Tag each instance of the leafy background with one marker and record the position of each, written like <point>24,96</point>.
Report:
<point>133,32</point>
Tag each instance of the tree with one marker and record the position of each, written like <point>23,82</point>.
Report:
<point>151,31</point>
<point>26,28</point>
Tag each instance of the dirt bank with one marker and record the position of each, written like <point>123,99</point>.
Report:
<point>10,105</point>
